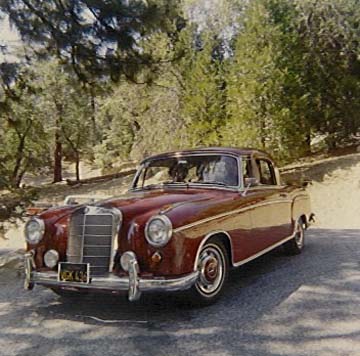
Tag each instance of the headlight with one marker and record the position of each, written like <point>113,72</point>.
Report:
<point>158,230</point>
<point>51,258</point>
<point>34,230</point>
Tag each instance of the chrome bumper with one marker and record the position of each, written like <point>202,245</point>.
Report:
<point>133,284</point>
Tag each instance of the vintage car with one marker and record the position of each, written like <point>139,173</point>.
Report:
<point>188,218</point>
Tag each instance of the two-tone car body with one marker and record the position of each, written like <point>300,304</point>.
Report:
<point>188,217</point>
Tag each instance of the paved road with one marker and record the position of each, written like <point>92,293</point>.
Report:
<point>278,305</point>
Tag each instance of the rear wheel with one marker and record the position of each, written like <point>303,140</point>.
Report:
<point>296,245</point>
<point>213,267</point>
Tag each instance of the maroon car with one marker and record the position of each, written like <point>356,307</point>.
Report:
<point>188,217</point>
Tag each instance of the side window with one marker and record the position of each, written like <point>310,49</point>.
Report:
<point>246,167</point>
<point>266,170</point>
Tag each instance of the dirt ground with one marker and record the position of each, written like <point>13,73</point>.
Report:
<point>55,194</point>
<point>335,191</point>
<point>335,194</point>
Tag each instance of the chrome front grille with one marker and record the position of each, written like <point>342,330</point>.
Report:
<point>92,238</point>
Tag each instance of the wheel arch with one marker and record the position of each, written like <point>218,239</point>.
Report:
<point>221,235</point>
<point>300,209</point>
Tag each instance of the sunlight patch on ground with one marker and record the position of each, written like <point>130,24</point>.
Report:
<point>325,317</point>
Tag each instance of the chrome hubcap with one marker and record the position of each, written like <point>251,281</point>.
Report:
<point>211,268</point>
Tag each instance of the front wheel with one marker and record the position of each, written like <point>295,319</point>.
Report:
<point>213,267</point>
<point>296,244</point>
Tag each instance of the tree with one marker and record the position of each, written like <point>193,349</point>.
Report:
<point>254,84</point>
<point>23,146</point>
<point>330,71</point>
<point>96,37</point>
<point>202,97</point>
<point>66,109</point>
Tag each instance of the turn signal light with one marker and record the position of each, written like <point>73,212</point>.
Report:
<point>156,257</point>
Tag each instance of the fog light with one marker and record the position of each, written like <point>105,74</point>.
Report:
<point>51,258</point>
<point>126,258</point>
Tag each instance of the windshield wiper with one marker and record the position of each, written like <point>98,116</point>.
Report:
<point>169,183</point>
<point>151,186</point>
<point>162,184</point>
<point>211,182</point>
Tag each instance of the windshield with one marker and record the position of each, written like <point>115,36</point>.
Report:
<point>220,170</point>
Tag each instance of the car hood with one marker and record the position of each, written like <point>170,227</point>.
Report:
<point>180,205</point>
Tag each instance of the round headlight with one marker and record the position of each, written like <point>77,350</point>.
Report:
<point>34,230</point>
<point>51,258</point>
<point>158,230</point>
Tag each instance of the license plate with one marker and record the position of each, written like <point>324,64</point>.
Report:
<point>74,272</point>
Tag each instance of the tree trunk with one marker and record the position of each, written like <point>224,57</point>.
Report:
<point>77,165</point>
<point>19,157</point>
<point>262,134</point>
<point>308,143</point>
<point>57,158</point>
<point>93,113</point>
<point>20,177</point>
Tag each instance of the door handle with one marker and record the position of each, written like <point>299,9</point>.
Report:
<point>283,195</point>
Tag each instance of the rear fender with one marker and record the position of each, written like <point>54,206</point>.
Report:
<point>301,208</point>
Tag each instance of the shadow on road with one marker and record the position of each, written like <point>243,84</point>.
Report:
<point>270,307</point>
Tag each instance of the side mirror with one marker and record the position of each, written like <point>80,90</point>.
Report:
<point>250,182</point>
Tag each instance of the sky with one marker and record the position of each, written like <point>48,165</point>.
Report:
<point>8,37</point>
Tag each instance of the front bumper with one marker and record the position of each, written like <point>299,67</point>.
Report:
<point>133,284</point>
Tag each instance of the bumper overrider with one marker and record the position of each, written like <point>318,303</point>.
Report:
<point>132,283</point>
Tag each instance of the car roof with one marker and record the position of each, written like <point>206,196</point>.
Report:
<point>220,150</point>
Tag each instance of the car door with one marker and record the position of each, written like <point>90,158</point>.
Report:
<point>271,212</point>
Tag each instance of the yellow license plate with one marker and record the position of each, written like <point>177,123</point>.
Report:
<point>74,272</point>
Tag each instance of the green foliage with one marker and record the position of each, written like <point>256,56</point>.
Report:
<point>23,146</point>
<point>121,80</point>
<point>45,100</point>
<point>294,76</point>
<point>330,72</point>
<point>138,120</point>
<point>254,81</point>
<point>97,37</point>
<point>203,95</point>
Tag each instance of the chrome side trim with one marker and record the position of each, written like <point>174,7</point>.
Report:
<point>242,262</point>
<point>219,216</point>
<point>206,238</point>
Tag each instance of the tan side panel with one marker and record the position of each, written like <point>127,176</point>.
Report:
<point>274,214</point>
